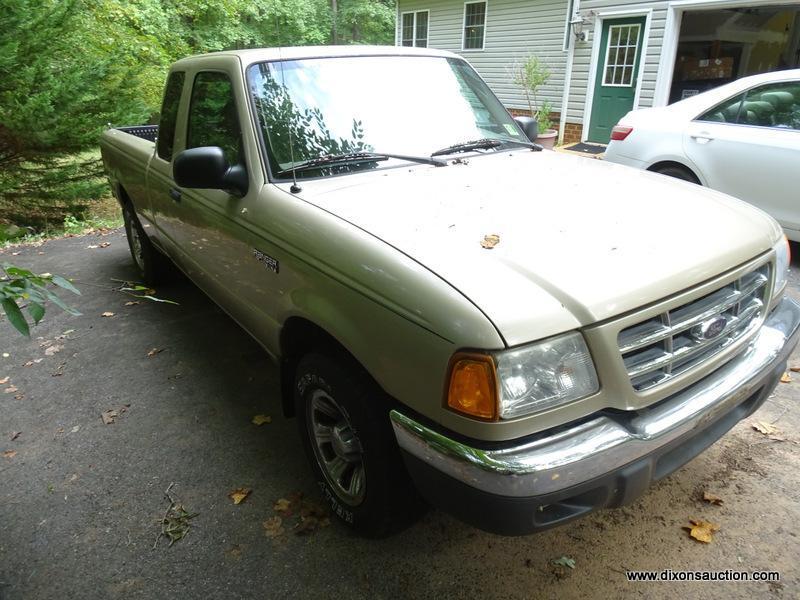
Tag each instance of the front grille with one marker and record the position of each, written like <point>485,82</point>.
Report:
<point>675,341</point>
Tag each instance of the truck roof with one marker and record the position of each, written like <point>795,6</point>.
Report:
<point>299,52</point>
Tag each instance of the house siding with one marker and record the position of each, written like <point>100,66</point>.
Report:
<point>514,29</point>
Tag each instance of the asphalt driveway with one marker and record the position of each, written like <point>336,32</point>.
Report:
<point>81,500</point>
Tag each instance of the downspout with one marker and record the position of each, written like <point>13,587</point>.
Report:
<point>562,120</point>
<point>397,23</point>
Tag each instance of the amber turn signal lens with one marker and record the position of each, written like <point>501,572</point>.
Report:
<point>473,386</point>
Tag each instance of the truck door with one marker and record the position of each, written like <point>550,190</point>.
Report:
<point>214,231</point>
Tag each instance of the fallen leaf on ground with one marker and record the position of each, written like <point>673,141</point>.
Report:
<point>764,427</point>
<point>92,247</point>
<point>75,429</point>
<point>711,498</point>
<point>132,303</point>
<point>282,505</point>
<point>4,380</point>
<point>702,531</point>
<point>175,522</point>
<point>107,314</point>
<point>490,241</point>
<point>795,369</point>
<point>9,454</point>
<point>786,378</point>
<point>155,351</point>
<point>564,561</point>
<point>238,495</point>
<point>104,244</point>
<point>273,527</point>
<point>6,355</point>
<point>15,435</point>
<point>108,416</point>
<point>10,390</point>
<point>261,419</point>
<point>55,349</point>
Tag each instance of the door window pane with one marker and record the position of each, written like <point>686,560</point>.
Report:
<point>474,25</point>
<point>212,115</point>
<point>621,51</point>
<point>169,115</point>
<point>726,112</point>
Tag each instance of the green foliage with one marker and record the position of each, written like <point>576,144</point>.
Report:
<point>68,68</point>
<point>20,285</point>
<point>530,75</point>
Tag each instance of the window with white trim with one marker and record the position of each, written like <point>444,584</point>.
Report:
<point>474,25</point>
<point>414,29</point>
<point>623,44</point>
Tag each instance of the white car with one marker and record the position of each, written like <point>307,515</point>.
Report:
<point>742,138</point>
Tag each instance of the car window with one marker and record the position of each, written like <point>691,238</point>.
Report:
<point>212,115</point>
<point>726,112</point>
<point>169,115</point>
<point>772,105</point>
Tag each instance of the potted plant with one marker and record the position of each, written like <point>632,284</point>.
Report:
<point>530,75</point>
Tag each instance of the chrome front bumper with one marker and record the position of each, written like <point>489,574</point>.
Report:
<point>548,464</point>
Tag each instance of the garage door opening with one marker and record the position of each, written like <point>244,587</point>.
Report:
<point>719,46</point>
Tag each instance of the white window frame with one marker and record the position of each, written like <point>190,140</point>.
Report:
<point>414,32</point>
<point>637,50</point>
<point>464,26</point>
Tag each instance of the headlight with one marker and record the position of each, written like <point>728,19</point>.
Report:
<point>517,382</point>
<point>782,259</point>
<point>542,375</point>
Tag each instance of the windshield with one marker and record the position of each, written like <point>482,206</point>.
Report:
<point>407,105</point>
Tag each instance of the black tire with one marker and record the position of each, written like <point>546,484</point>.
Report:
<point>149,262</point>
<point>677,172</point>
<point>388,501</point>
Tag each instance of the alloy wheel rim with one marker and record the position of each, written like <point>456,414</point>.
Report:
<point>337,448</point>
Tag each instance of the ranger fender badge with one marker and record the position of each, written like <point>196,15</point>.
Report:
<point>269,262</point>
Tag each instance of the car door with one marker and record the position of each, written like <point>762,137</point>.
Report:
<point>749,147</point>
<point>219,234</point>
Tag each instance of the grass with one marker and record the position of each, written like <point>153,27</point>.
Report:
<point>102,214</point>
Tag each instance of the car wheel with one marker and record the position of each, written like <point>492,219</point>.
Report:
<point>343,418</point>
<point>149,261</point>
<point>677,172</point>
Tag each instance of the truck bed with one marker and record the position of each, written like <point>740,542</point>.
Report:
<point>146,132</point>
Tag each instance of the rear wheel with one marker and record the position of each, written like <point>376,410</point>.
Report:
<point>343,418</point>
<point>149,262</point>
<point>678,172</point>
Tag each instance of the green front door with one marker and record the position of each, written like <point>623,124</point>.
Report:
<point>615,81</point>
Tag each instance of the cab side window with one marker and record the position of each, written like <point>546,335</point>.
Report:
<point>212,115</point>
<point>169,115</point>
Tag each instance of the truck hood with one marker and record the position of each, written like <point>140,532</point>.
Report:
<point>580,240</point>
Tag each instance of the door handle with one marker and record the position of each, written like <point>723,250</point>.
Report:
<point>175,194</point>
<point>702,138</point>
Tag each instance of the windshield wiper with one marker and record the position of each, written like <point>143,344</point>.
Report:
<point>350,158</point>
<point>483,144</point>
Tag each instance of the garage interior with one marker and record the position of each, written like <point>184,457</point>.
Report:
<point>718,46</point>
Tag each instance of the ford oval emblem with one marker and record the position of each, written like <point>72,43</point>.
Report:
<point>709,329</point>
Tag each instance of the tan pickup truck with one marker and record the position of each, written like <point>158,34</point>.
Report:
<point>516,336</point>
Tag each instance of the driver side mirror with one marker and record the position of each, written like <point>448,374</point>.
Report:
<point>530,126</point>
<point>207,168</point>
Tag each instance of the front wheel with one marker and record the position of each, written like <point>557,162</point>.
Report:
<point>343,419</point>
